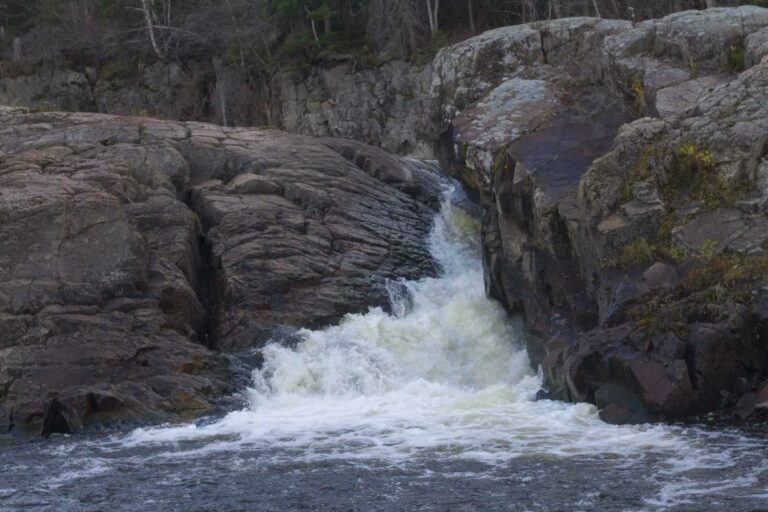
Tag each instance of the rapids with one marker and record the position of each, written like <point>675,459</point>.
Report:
<point>431,407</point>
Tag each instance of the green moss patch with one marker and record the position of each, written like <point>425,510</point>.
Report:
<point>694,175</point>
<point>737,56</point>
<point>726,269</point>
<point>644,251</point>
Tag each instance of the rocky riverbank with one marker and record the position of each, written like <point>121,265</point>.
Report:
<point>132,251</point>
<point>637,249</point>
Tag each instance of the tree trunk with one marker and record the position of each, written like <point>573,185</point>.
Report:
<point>432,14</point>
<point>471,16</point>
<point>150,27</point>
<point>168,12</point>
<point>345,12</point>
<point>431,19</point>
<point>238,32</point>
<point>16,49</point>
<point>556,8</point>
<point>616,11</point>
<point>532,12</point>
<point>711,3</point>
<point>597,9</point>
<point>312,24</point>
<point>314,30</point>
<point>221,90</point>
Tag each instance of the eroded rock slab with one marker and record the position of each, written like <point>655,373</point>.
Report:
<point>130,248</point>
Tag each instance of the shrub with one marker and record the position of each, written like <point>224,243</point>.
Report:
<point>638,252</point>
<point>727,269</point>
<point>643,251</point>
<point>637,91</point>
<point>693,174</point>
<point>737,56</point>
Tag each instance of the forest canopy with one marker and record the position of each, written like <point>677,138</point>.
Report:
<point>263,35</point>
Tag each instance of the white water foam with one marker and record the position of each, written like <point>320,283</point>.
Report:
<point>447,377</point>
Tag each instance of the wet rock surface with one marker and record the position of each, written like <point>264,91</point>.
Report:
<point>637,248</point>
<point>132,251</point>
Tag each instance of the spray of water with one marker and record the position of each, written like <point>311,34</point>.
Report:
<point>444,374</point>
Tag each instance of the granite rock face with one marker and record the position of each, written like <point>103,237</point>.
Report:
<point>621,169</point>
<point>133,250</point>
<point>389,106</point>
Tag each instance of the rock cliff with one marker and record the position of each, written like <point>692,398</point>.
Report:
<point>388,106</point>
<point>132,251</point>
<point>636,248</point>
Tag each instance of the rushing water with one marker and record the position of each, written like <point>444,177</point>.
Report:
<point>431,408</point>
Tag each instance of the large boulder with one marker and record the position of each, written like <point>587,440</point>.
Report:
<point>133,250</point>
<point>638,251</point>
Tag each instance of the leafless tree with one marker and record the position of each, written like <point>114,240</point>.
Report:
<point>397,26</point>
<point>433,13</point>
<point>16,49</point>
<point>146,8</point>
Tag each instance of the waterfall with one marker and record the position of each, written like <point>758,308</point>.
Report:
<point>445,373</point>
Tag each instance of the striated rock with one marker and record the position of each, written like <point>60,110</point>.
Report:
<point>130,248</point>
<point>682,46</point>
<point>534,127</point>
<point>63,89</point>
<point>313,250</point>
<point>388,105</point>
<point>94,288</point>
<point>633,244</point>
<point>660,374</point>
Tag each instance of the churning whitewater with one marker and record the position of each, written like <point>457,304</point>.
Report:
<point>446,375</point>
<point>431,407</point>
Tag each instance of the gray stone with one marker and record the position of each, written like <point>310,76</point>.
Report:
<point>677,99</point>
<point>723,229</point>
<point>661,275</point>
<point>562,212</point>
<point>756,47</point>
<point>113,292</point>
